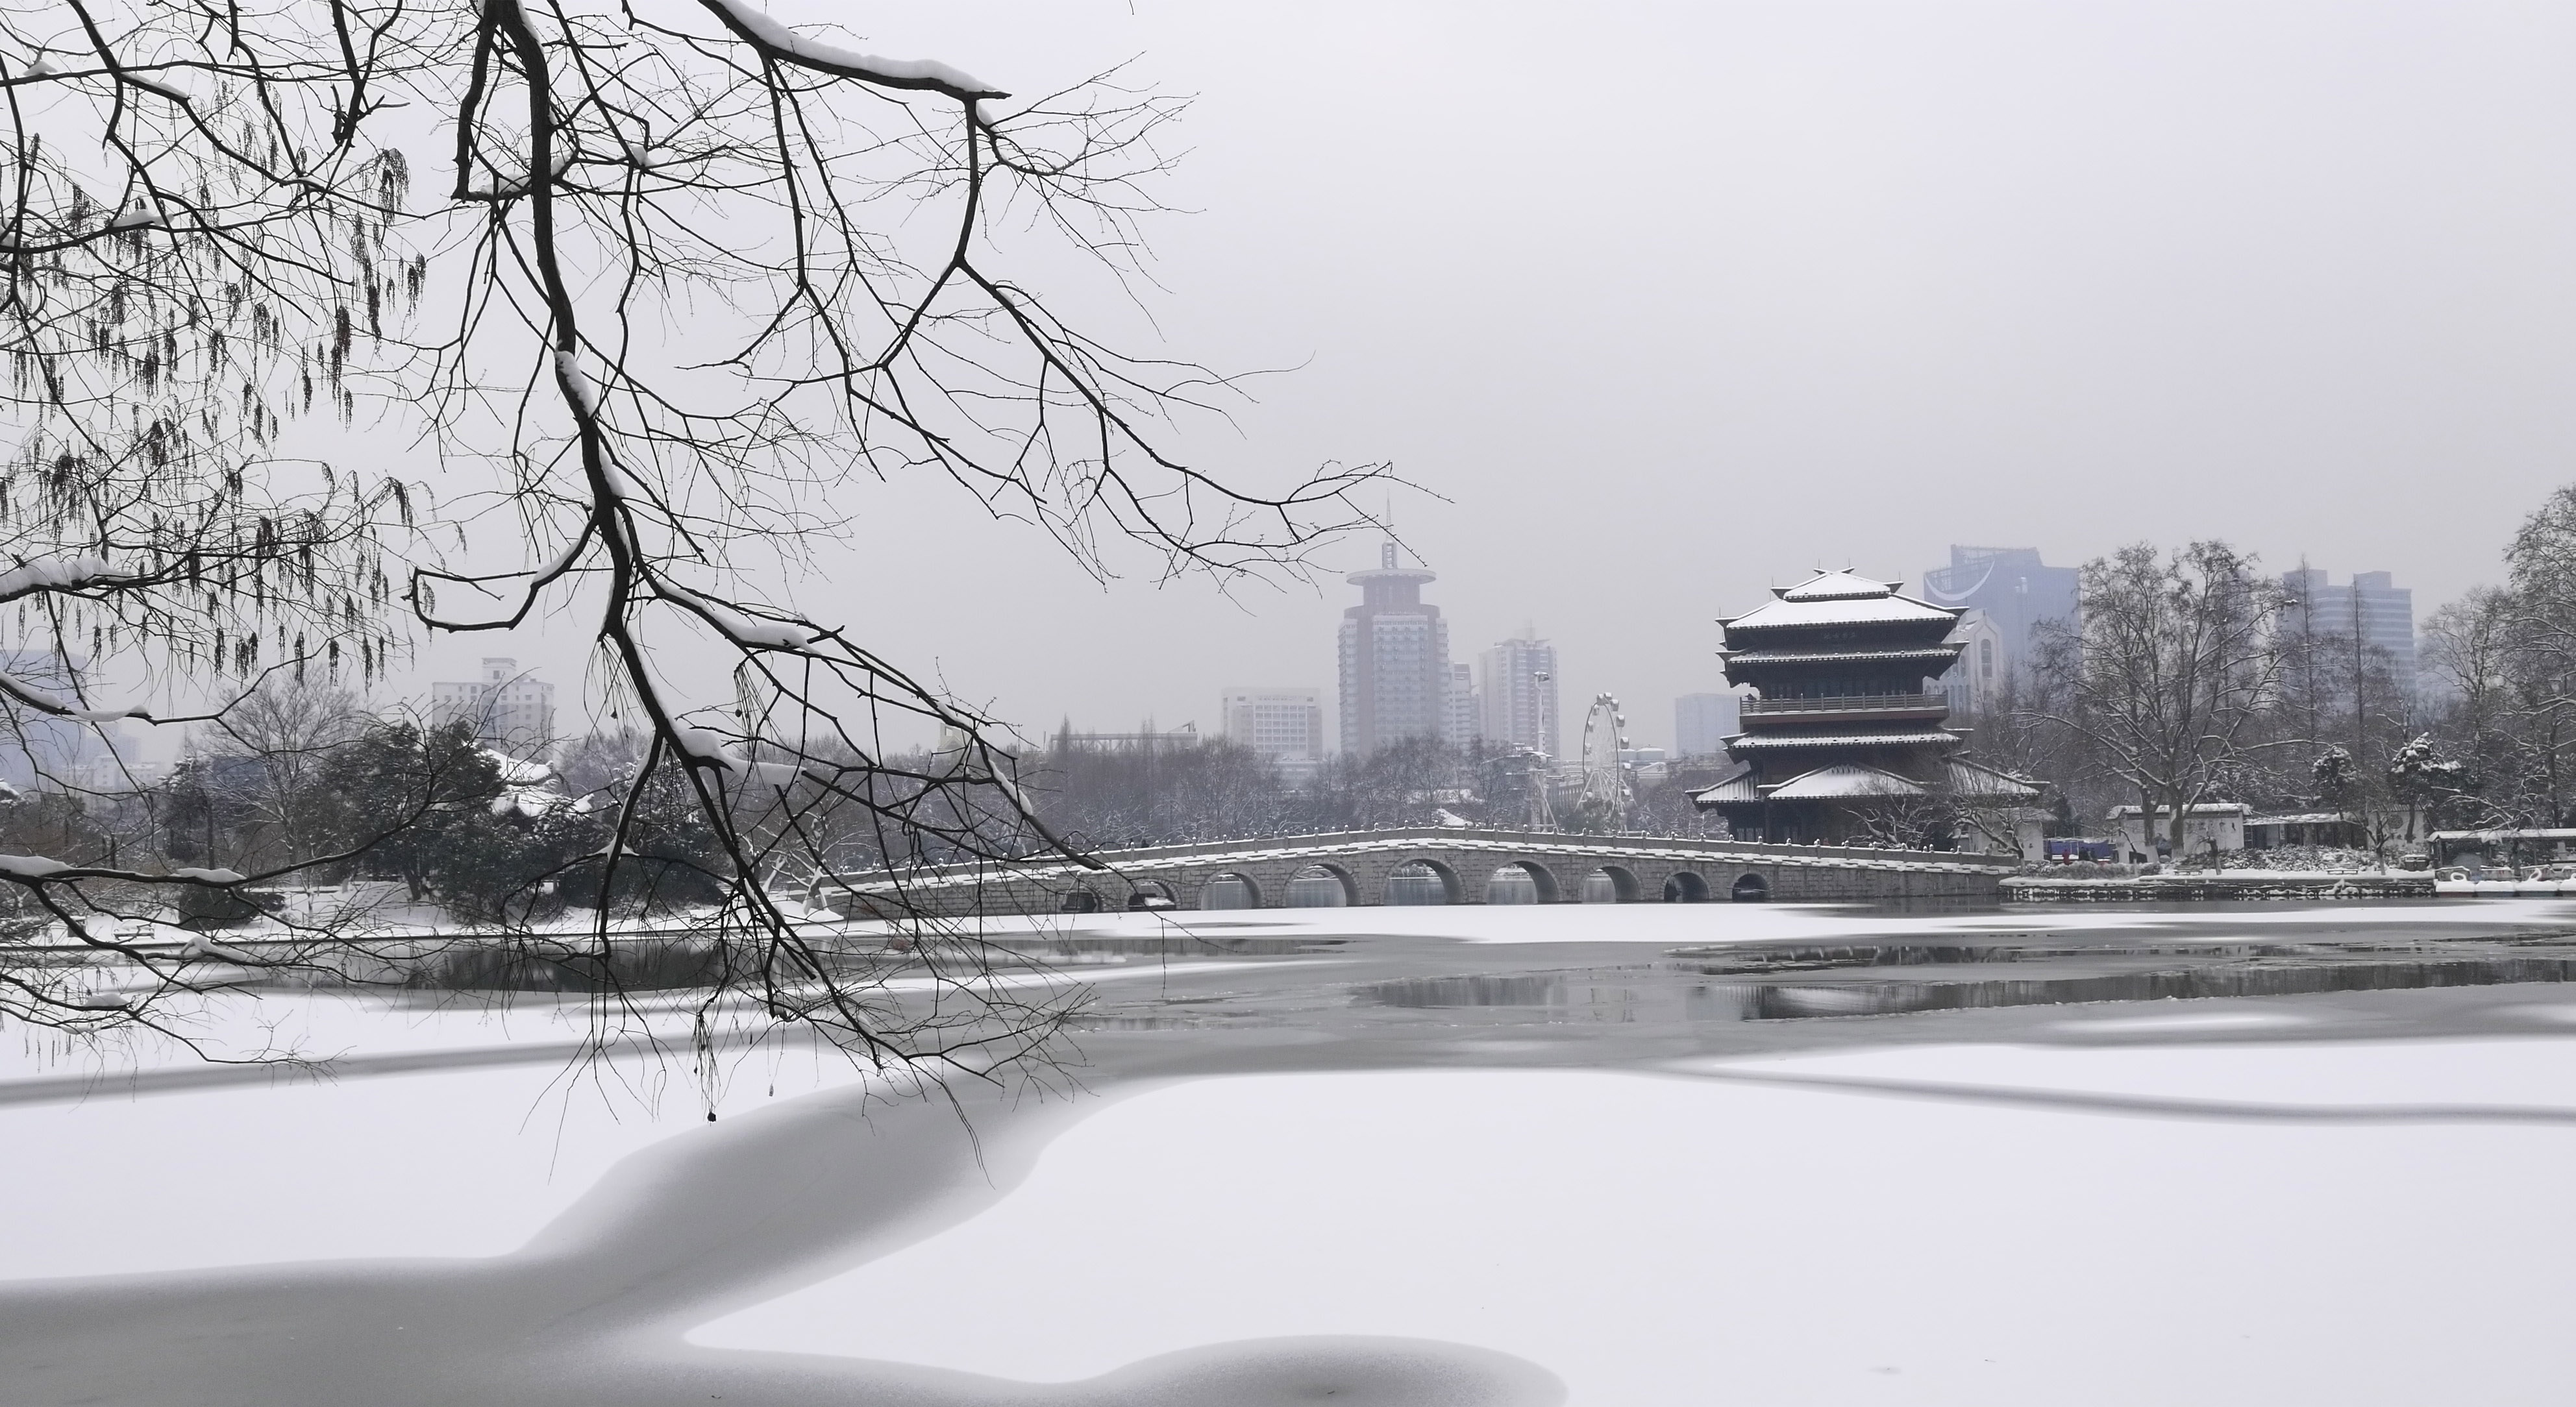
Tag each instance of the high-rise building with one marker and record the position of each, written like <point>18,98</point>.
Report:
<point>508,711</point>
<point>1285,725</point>
<point>1702,723</point>
<point>1394,660</point>
<point>1520,693</point>
<point>2012,589</point>
<point>1465,708</point>
<point>2370,608</point>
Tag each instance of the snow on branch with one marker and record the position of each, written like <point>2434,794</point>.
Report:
<point>59,707</point>
<point>54,574</point>
<point>576,382</point>
<point>153,85</point>
<point>740,627</point>
<point>756,28</point>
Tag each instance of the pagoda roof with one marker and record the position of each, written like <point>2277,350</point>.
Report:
<point>1768,742</point>
<point>1770,656</point>
<point>1976,779</point>
<point>1735,786</point>
<point>1845,585</point>
<point>1844,781</point>
<point>1840,598</point>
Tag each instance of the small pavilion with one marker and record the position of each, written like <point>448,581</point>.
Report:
<point>1844,737</point>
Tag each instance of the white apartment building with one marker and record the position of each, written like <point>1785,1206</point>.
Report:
<point>1280,723</point>
<point>509,711</point>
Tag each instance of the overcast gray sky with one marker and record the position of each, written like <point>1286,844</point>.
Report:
<point>1674,301</point>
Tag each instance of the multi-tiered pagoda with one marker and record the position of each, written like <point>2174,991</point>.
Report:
<point>1845,729</point>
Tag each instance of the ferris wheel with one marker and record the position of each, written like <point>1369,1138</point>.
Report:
<point>1605,774</point>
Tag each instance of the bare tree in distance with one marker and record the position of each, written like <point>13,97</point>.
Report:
<point>2540,605</point>
<point>706,273</point>
<point>2171,663</point>
<point>285,735</point>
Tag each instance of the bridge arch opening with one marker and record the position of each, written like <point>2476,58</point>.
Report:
<point>1522,882</point>
<point>1420,880</point>
<point>1151,894</point>
<point>1321,887</point>
<point>1230,890</point>
<point>1686,887</point>
<point>1750,889</point>
<point>1612,884</point>
<point>1081,901</point>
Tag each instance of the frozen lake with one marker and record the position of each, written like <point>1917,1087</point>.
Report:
<point>1418,1156</point>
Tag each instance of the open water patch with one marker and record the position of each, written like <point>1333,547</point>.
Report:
<point>1816,980</point>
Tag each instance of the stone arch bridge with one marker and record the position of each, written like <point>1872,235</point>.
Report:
<point>1364,863</point>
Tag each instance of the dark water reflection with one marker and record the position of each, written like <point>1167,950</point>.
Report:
<point>1766,1002</point>
<point>1945,976</point>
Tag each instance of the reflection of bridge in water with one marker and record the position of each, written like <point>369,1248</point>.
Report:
<point>1434,865</point>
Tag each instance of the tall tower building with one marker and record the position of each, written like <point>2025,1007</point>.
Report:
<point>1394,660</point>
<point>1520,693</point>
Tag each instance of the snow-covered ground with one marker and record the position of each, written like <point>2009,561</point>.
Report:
<point>1690,1235</point>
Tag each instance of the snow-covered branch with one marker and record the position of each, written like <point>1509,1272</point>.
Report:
<point>753,26</point>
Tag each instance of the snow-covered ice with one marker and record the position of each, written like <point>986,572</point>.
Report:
<point>1655,1238</point>
<point>488,1134</point>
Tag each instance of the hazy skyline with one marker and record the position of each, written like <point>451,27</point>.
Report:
<point>1672,302</point>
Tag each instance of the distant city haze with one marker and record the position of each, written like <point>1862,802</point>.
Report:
<point>1664,304</point>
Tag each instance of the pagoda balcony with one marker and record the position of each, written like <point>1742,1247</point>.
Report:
<point>1841,707</point>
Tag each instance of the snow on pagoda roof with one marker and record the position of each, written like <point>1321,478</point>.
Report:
<point>1734,786</point>
<point>1971,778</point>
<point>1836,586</point>
<point>1842,781</point>
<point>1765,742</point>
<point>1839,598</point>
<point>1926,652</point>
